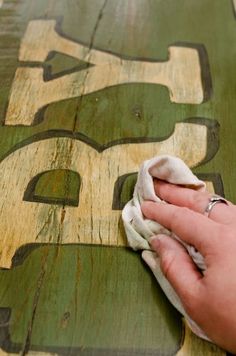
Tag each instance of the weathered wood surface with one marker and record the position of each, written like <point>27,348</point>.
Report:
<point>88,90</point>
<point>181,73</point>
<point>92,220</point>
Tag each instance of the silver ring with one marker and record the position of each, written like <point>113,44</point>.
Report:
<point>215,199</point>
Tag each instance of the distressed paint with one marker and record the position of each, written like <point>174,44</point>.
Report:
<point>181,73</point>
<point>128,113</point>
<point>93,221</point>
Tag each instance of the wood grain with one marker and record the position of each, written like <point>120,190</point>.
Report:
<point>93,221</point>
<point>181,73</point>
<point>129,113</point>
<point>109,277</point>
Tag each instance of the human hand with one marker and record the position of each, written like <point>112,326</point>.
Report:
<point>209,298</point>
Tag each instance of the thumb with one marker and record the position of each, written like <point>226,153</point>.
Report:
<point>178,268</point>
<point>154,264</point>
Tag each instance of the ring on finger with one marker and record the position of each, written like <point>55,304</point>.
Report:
<point>215,199</point>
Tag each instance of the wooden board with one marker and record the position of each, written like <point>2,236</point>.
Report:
<point>88,90</point>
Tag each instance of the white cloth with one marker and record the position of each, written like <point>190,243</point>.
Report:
<point>139,229</point>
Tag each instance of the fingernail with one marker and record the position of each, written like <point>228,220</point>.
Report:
<point>150,202</point>
<point>155,241</point>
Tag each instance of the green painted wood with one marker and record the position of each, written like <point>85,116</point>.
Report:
<point>118,105</point>
<point>56,187</point>
<point>99,299</point>
<point>85,297</point>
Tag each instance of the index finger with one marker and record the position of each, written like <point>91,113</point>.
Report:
<point>191,227</point>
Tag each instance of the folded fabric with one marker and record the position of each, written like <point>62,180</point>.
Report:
<point>139,230</point>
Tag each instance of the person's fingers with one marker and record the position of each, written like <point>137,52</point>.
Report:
<point>153,261</point>
<point>195,200</point>
<point>192,228</point>
<point>178,267</point>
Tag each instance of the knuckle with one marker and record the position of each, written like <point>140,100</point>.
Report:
<point>200,201</point>
<point>167,264</point>
<point>177,214</point>
<point>168,191</point>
